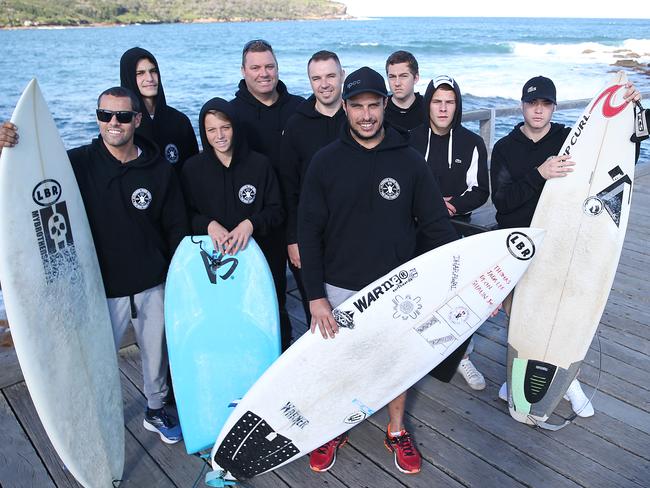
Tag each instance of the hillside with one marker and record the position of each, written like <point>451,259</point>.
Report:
<point>21,13</point>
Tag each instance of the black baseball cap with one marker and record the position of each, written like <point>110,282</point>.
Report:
<point>364,80</point>
<point>538,88</point>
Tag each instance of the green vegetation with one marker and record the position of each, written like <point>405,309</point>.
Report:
<point>19,13</point>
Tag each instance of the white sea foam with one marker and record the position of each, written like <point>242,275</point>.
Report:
<point>584,52</point>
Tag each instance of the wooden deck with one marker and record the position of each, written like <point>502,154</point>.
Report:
<point>466,438</point>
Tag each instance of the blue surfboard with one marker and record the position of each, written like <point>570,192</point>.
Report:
<point>223,332</point>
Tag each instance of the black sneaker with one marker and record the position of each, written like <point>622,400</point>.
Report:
<point>166,426</point>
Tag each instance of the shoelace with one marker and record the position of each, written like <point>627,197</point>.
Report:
<point>470,371</point>
<point>405,444</point>
<point>333,443</point>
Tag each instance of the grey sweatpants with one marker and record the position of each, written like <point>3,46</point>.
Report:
<point>149,326</point>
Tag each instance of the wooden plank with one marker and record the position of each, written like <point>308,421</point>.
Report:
<point>20,466</point>
<point>297,474</point>
<point>536,443</point>
<point>183,469</point>
<point>139,469</point>
<point>10,372</point>
<point>368,439</point>
<point>483,445</point>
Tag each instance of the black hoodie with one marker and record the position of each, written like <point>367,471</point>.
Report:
<point>170,129</point>
<point>136,214</point>
<point>247,189</point>
<point>458,159</point>
<point>263,124</point>
<point>406,118</point>
<point>516,183</point>
<point>306,132</point>
<point>358,211</point>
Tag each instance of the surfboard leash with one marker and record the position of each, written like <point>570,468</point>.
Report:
<point>572,417</point>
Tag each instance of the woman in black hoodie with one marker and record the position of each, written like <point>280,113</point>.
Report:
<point>231,191</point>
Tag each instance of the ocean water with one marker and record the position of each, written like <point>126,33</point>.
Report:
<point>490,58</point>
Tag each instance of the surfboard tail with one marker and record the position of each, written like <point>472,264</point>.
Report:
<point>536,387</point>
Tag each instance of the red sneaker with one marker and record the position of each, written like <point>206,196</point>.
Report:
<point>407,456</point>
<point>324,457</point>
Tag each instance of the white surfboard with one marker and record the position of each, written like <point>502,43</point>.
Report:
<point>558,304</point>
<point>392,333</point>
<point>55,299</point>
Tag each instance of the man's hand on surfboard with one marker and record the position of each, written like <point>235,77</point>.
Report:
<point>8,135</point>
<point>321,317</point>
<point>556,167</point>
<point>631,94</point>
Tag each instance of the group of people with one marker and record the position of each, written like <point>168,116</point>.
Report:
<point>317,182</point>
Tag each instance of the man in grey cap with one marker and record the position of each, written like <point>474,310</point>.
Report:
<point>365,182</point>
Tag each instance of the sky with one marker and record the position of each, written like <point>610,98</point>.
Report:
<point>504,8</point>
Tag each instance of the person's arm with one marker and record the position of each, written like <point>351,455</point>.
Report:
<point>289,178</point>
<point>431,213</point>
<point>312,220</point>
<point>271,213</point>
<point>477,180</point>
<point>198,222</point>
<point>174,216</point>
<point>508,194</point>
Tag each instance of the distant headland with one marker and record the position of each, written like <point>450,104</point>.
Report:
<point>54,13</point>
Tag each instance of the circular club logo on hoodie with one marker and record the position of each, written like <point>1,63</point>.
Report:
<point>389,188</point>
<point>171,153</point>
<point>141,198</point>
<point>247,194</point>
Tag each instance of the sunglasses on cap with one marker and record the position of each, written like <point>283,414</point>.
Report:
<point>123,116</point>
<point>257,43</point>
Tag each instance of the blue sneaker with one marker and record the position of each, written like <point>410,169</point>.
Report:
<point>166,426</point>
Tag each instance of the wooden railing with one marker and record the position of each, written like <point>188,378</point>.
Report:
<point>487,117</point>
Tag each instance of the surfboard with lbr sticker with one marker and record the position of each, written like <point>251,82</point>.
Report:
<point>558,304</point>
<point>392,333</point>
<point>55,299</point>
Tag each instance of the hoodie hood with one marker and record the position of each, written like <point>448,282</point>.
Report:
<point>428,95</point>
<point>128,64</point>
<point>239,146</point>
<point>432,87</point>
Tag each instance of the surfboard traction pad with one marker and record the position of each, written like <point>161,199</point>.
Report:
<point>253,447</point>
<point>535,387</point>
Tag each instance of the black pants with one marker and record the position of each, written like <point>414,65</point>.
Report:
<point>274,247</point>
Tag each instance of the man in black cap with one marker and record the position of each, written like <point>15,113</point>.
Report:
<point>365,182</point>
<point>521,163</point>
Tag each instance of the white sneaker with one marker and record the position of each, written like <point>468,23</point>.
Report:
<point>503,392</point>
<point>579,401</point>
<point>474,378</point>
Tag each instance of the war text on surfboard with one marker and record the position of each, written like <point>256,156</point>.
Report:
<point>393,284</point>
